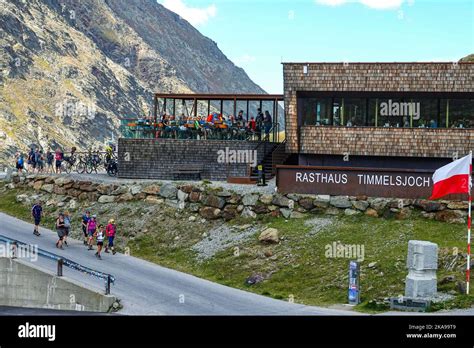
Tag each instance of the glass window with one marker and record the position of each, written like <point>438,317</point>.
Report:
<point>316,111</point>
<point>355,112</point>
<point>461,113</point>
<point>425,113</point>
<point>392,113</point>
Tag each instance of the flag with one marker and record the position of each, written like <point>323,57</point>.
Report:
<point>452,178</point>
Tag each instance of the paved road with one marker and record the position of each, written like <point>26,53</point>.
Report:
<point>146,288</point>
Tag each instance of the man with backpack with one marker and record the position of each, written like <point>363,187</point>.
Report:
<point>20,162</point>
<point>37,212</point>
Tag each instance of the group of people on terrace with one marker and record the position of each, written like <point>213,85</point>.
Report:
<point>214,126</point>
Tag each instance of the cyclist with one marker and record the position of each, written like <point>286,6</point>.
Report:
<point>109,151</point>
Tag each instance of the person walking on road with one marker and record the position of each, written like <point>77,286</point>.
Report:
<point>85,220</point>
<point>100,236</point>
<point>110,231</point>
<point>67,227</point>
<point>91,228</point>
<point>61,230</point>
<point>37,213</point>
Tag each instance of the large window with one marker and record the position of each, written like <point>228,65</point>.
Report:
<point>408,112</point>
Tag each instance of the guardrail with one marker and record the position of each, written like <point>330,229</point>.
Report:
<point>62,261</point>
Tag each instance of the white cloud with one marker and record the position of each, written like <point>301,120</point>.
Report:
<point>376,4</point>
<point>245,59</point>
<point>194,15</point>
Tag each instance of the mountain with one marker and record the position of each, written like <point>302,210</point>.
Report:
<point>71,68</point>
<point>468,58</point>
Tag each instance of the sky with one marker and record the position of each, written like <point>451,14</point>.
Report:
<point>258,35</point>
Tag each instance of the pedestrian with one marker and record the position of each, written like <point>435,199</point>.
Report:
<point>50,159</point>
<point>31,154</point>
<point>20,162</point>
<point>259,124</point>
<point>67,226</point>
<point>99,235</point>
<point>85,220</point>
<point>267,121</point>
<point>61,230</point>
<point>37,213</point>
<point>59,159</point>
<point>40,161</point>
<point>110,231</point>
<point>91,228</point>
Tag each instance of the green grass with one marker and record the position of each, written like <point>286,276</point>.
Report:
<point>299,268</point>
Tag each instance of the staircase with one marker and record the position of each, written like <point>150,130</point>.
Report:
<point>272,158</point>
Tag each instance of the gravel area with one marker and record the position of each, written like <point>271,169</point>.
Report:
<point>221,238</point>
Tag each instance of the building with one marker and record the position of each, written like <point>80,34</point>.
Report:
<point>376,129</point>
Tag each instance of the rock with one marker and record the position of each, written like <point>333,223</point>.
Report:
<point>306,203</point>
<point>37,185</point>
<point>403,214</point>
<point>372,265</point>
<point>447,279</point>
<point>21,198</point>
<point>350,212</point>
<point>294,197</point>
<point>272,207</point>
<point>378,204</point>
<point>121,190</point>
<point>192,218</point>
<point>86,186</point>
<point>248,213</point>
<point>10,186</point>
<point>224,194</point>
<point>194,196</point>
<point>151,190</point>
<point>49,180</point>
<point>332,211</point>
<point>285,212</point>
<point>250,199</point>
<point>59,190</point>
<point>63,180</point>
<point>92,196</point>
<point>154,200</point>
<point>361,198</point>
<point>254,279</point>
<point>340,202</point>
<point>187,188</point>
<point>168,191</point>
<point>234,199</point>
<point>297,215</point>
<point>268,253</point>
<point>450,216</point>
<point>429,206</point>
<point>47,188</point>
<point>214,201</point>
<point>270,235</point>
<point>135,189</point>
<point>174,203</point>
<point>194,207</point>
<point>182,196</point>
<point>229,212</point>
<point>458,205</point>
<point>61,204</point>
<point>260,209</point>
<point>51,202</point>
<point>430,216</point>
<point>210,213</point>
<point>266,199</point>
<point>240,208</point>
<point>282,201</point>
<point>126,197</point>
<point>360,205</point>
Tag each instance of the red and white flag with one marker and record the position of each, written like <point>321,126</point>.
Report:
<point>452,178</point>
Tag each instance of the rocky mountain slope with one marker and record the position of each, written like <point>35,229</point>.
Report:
<point>70,68</point>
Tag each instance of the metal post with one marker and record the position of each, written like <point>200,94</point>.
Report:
<point>60,267</point>
<point>107,285</point>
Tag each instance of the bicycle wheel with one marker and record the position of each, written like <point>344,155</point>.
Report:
<point>89,168</point>
<point>81,167</point>
<point>68,168</point>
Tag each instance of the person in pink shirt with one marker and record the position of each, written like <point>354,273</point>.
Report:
<point>110,231</point>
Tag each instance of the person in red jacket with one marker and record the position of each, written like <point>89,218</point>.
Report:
<point>110,231</point>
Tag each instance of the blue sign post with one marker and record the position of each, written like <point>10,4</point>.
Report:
<point>354,290</point>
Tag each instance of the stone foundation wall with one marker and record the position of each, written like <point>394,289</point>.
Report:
<point>212,203</point>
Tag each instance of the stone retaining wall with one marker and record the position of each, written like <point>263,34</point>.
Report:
<point>213,204</point>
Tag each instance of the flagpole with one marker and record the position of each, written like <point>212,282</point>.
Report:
<point>468,266</point>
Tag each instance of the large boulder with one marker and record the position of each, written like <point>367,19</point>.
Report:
<point>47,188</point>
<point>151,190</point>
<point>250,199</point>
<point>322,201</point>
<point>269,236</point>
<point>210,213</point>
<point>429,206</point>
<point>283,201</point>
<point>214,201</point>
<point>341,202</point>
<point>360,205</point>
<point>106,199</point>
<point>168,191</point>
